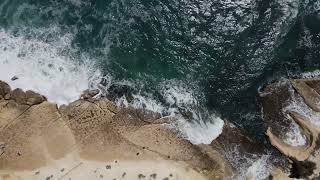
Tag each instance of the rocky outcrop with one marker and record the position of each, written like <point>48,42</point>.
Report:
<point>4,89</point>
<point>232,137</point>
<point>41,141</point>
<point>275,98</point>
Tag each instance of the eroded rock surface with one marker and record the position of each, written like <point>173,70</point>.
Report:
<point>275,99</point>
<point>38,138</point>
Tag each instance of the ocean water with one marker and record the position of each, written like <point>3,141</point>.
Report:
<point>200,61</point>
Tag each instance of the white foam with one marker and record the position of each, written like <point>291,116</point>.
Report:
<point>201,132</point>
<point>178,95</point>
<point>312,74</point>
<point>41,67</point>
<point>198,130</point>
<point>294,136</point>
<point>259,169</point>
<point>144,102</point>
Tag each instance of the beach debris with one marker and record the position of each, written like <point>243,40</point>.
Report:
<point>62,170</point>
<point>170,175</point>
<point>19,153</point>
<point>154,176</point>
<point>166,178</point>
<point>124,174</point>
<point>101,176</point>
<point>2,148</point>
<point>141,176</point>
<point>108,166</point>
<point>37,173</point>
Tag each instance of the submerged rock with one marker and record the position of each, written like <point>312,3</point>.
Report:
<point>116,91</point>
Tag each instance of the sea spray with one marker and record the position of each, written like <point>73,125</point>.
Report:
<point>43,67</point>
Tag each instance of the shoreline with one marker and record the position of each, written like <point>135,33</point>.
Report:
<point>39,140</point>
<point>36,133</point>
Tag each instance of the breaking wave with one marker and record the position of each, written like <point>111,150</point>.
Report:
<point>29,63</point>
<point>32,64</point>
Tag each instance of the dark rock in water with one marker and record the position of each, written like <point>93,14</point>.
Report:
<point>273,99</point>
<point>302,169</point>
<point>232,136</point>
<point>104,81</point>
<point>187,114</point>
<point>4,88</point>
<point>14,78</point>
<point>118,90</point>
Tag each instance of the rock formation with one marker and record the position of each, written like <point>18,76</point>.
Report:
<point>275,98</point>
<point>94,140</point>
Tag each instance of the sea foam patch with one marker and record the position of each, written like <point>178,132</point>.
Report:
<point>31,64</point>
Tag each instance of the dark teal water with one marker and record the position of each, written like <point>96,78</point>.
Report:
<point>223,49</point>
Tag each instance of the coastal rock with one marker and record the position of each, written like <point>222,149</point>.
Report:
<point>275,99</point>
<point>20,97</point>
<point>234,142</point>
<point>84,137</point>
<point>277,174</point>
<point>4,88</point>
<point>87,94</point>
<point>33,98</point>
<point>309,94</point>
<point>232,136</point>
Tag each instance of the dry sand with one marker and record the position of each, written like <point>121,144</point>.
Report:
<point>72,167</point>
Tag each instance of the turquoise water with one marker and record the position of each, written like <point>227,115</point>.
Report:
<point>221,51</point>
